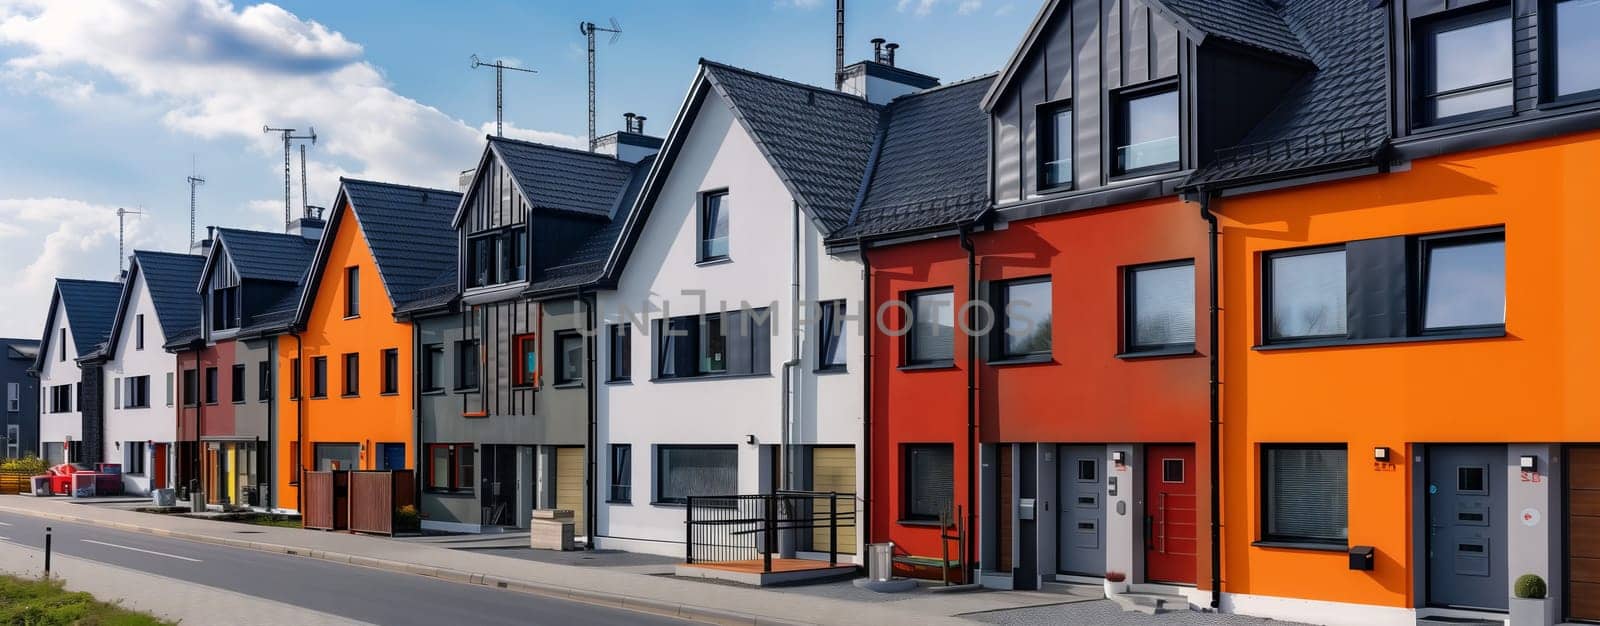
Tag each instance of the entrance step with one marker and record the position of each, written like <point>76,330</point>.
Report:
<point>1150,603</point>
<point>1076,590</point>
<point>1441,620</point>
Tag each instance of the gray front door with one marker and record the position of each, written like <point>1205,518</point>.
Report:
<point>13,441</point>
<point>1081,531</point>
<point>1467,526</point>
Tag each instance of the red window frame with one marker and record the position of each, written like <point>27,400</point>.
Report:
<point>520,348</point>
<point>457,481</point>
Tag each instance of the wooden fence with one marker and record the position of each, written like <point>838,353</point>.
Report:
<point>326,494</point>
<point>12,483</point>
<point>374,497</point>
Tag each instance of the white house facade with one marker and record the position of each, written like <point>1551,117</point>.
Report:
<point>69,375</point>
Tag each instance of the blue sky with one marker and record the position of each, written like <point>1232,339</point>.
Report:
<point>109,103</point>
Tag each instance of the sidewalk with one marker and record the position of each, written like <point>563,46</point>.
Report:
<point>616,587</point>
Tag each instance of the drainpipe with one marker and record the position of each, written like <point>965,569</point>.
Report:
<point>1215,384</point>
<point>199,420</point>
<point>591,380</point>
<point>868,321</point>
<point>299,428</point>
<point>790,374</point>
<point>418,450</point>
<point>972,408</point>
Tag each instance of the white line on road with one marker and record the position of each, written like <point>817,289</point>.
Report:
<point>112,545</point>
<point>5,523</point>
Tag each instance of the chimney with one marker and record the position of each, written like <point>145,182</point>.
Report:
<point>891,48</point>
<point>464,180</point>
<point>627,122</point>
<point>203,246</point>
<point>630,144</point>
<point>877,49</point>
<point>878,80</point>
<point>639,128</point>
<point>309,225</point>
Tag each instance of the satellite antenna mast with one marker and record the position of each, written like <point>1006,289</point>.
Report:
<point>288,139</point>
<point>588,29</point>
<point>194,181</point>
<point>499,87</point>
<point>121,232</point>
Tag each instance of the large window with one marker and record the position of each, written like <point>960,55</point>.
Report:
<point>683,471</point>
<point>1305,494</point>
<point>731,343</point>
<point>1146,130</point>
<point>467,364</point>
<point>352,375</point>
<point>1464,66</point>
<point>620,363</point>
<point>133,457</point>
<point>714,226</point>
<point>526,350</point>
<point>929,480</point>
<point>211,385</point>
<point>136,392</point>
<point>1055,146</point>
<point>319,377</point>
<point>450,467</point>
<point>391,371</point>
<point>621,473</point>
<point>1306,294</point>
<point>352,291</point>
<point>1575,44</point>
<point>225,308</point>
<point>433,368</point>
<point>191,387</point>
<point>1024,313</point>
<point>831,342</point>
<point>236,383</point>
<point>932,336</point>
<point>61,399</point>
<point>1464,282</point>
<point>497,257</point>
<point>337,456</point>
<point>569,355</point>
<point>1160,307</point>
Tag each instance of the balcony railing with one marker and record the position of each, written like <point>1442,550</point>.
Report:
<point>743,528</point>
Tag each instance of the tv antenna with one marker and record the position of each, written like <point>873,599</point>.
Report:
<point>121,233</point>
<point>288,139</point>
<point>499,87</point>
<point>589,29</point>
<point>194,181</point>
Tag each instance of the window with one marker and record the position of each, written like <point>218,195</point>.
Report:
<point>1025,316</point>
<point>432,368</point>
<point>61,399</point>
<point>211,385</point>
<point>352,292</point>
<point>830,332</point>
<point>1172,470</point>
<point>714,226</point>
<point>337,456</point>
<point>1055,146</point>
<point>569,368</point>
<point>319,377</point>
<point>515,255</point>
<point>1304,494</point>
<point>1146,132</point>
<point>263,382</point>
<point>527,363</point>
<point>191,387</point>
<point>238,383</point>
<point>1575,44</point>
<point>61,354</point>
<point>1160,307</point>
<point>497,257</point>
<point>450,467</point>
<point>621,473</point>
<point>136,392</point>
<point>352,375</point>
<point>482,252</point>
<point>1464,66</point>
<point>133,457</point>
<point>929,480</point>
<point>1305,294</point>
<point>169,388</point>
<point>294,463</point>
<point>225,308</point>
<point>467,364</point>
<point>14,397</point>
<point>138,332</point>
<point>932,339</point>
<point>1463,282</point>
<point>391,371</point>
<point>294,378</point>
<point>620,363</point>
<point>714,344</point>
<point>683,471</point>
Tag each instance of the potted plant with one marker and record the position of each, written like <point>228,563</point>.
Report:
<point>407,520</point>
<point>1116,583</point>
<point>1529,607</point>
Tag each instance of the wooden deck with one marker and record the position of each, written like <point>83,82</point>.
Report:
<point>783,571</point>
<point>754,566</point>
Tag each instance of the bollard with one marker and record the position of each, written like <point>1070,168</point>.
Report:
<point>47,552</point>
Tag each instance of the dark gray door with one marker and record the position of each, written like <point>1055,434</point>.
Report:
<point>13,441</point>
<point>1467,526</point>
<point>1081,531</point>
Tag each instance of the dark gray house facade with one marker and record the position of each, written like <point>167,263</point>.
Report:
<point>21,411</point>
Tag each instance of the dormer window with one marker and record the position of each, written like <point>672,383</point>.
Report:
<point>1145,130</point>
<point>1464,66</point>
<point>1574,45</point>
<point>1055,146</point>
<point>225,308</point>
<point>497,257</point>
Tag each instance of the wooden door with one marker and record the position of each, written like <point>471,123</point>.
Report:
<point>1170,513</point>
<point>1583,533</point>
<point>833,470</point>
<point>569,485</point>
<point>158,469</point>
<point>1004,528</point>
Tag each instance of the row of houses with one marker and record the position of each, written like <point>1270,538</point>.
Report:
<point>1277,306</point>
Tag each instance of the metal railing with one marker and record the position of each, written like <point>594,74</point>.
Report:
<point>724,529</point>
<point>1317,143</point>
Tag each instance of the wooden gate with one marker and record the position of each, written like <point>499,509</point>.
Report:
<point>374,498</point>
<point>325,500</point>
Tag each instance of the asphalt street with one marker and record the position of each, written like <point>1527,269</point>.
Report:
<point>348,591</point>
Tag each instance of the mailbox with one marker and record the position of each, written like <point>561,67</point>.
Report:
<point>1025,508</point>
<point>1361,558</point>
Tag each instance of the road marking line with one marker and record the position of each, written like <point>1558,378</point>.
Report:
<point>5,523</point>
<point>112,545</point>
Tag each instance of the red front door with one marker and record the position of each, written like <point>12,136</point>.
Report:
<point>1170,514</point>
<point>158,477</point>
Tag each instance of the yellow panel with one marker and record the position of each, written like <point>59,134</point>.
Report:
<point>834,469</point>
<point>569,484</point>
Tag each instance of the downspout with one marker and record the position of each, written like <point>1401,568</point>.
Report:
<point>299,427</point>
<point>1216,406</point>
<point>418,450</point>
<point>199,420</point>
<point>972,409</point>
<point>868,322</point>
<point>786,478</point>
<point>590,505</point>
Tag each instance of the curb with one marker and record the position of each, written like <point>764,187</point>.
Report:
<point>586,596</point>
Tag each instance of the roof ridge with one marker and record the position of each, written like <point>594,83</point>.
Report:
<point>367,181</point>
<point>793,83</point>
<point>89,280</point>
<point>536,144</point>
<point>937,88</point>
<point>165,253</point>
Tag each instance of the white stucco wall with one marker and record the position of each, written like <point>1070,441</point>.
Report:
<point>156,423</point>
<point>57,427</point>
<point>718,154</point>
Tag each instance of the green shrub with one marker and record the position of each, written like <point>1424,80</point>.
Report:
<point>1529,586</point>
<point>45,603</point>
<point>29,466</point>
<point>406,519</point>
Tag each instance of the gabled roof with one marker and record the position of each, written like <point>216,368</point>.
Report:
<point>931,165</point>
<point>258,255</point>
<point>585,265</point>
<point>21,349</point>
<point>407,229</point>
<point>436,296</point>
<point>1335,117</point>
<point>553,178</point>
<point>89,305</point>
<point>169,279</point>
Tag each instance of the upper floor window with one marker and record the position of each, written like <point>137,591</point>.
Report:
<point>1464,66</point>
<point>1160,307</point>
<point>225,308</point>
<point>497,257</point>
<point>191,387</point>
<point>1145,130</point>
<point>236,391</point>
<point>569,355</point>
<point>1305,294</point>
<point>138,332</point>
<point>830,331</point>
<point>1463,282</point>
<point>621,357</point>
<point>352,291</point>
<point>714,226</point>
<point>352,375</point>
<point>1024,315</point>
<point>1055,146</point>
<point>736,342</point>
<point>263,382</point>
<point>61,346</point>
<point>1575,45</point>
<point>391,371</point>
<point>433,368</point>
<point>526,350</point>
<point>319,377</point>
<point>211,385</point>
<point>467,364</point>
<point>932,339</point>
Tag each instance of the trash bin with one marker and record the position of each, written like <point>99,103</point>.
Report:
<point>163,497</point>
<point>40,486</point>
<point>552,530</point>
<point>880,561</point>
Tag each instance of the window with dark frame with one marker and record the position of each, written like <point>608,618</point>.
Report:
<point>61,345</point>
<point>136,392</point>
<point>294,378</point>
<point>225,308</point>
<point>352,375</point>
<point>191,387</point>
<point>569,352</point>
<point>526,350</point>
<point>831,347</point>
<point>1572,44</point>
<point>352,291</point>
<point>620,363</point>
<point>497,257</point>
<point>1463,65</point>
<point>133,457</point>
<point>138,332</point>
<point>319,377</point>
<point>294,463</point>
<point>733,343</point>
<point>263,382</point>
<point>433,368</point>
<point>1463,282</point>
<point>450,467</point>
<point>714,226</point>
<point>467,364</point>
<point>684,471</point>
<point>932,336</point>
<point>211,385</point>
<point>1055,146</point>
<point>1145,130</point>
<point>1305,296</point>
<point>236,383</point>
<point>1305,494</point>
<point>391,371</point>
<point>1159,307</point>
<point>1024,318</point>
<point>713,344</point>
<point>929,481</point>
<point>621,489</point>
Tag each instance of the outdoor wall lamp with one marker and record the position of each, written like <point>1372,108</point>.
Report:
<point>1118,457</point>
<point>750,439</point>
<point>1529,463</point>
<point>1380,454</point>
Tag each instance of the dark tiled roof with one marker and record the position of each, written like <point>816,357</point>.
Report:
<point>439,292</point>
<point>1335,116</point>
<point>261,255</point>
<point>277,316</point>
<point>170,279</point>
<point>931,168</point>
<point>563,179</point>
<point>90,306</point>
<point>21,349</point>
<point>409,231</point>
<point>817,139</point>
<point>586,262</point>
<point>1249,22</point>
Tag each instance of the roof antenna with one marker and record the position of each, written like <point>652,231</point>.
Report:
<point>121,232</point>
<point>194,181</point>
<point>499,87</point>
<point>838,46</point>
<point>288,139</point>
<point>588,29</point>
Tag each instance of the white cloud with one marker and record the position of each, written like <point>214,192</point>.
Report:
<point>66,238</point>
<point>539,136</point>
<point>798,4</point>
<point>1004,10</point>
<point>968,7</point>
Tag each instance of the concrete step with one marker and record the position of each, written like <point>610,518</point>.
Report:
<point>1076,590</point>
<point>1150,603</point>
<point>1440,620</point>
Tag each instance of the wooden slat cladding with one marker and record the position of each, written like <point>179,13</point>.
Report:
<point>834,469</point>
<point>1583,532</point>
<point>494,326</point>
<point>570,485</point>
<point>494,202</point>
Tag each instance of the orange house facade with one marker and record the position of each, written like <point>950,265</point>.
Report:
<point>351,405</point>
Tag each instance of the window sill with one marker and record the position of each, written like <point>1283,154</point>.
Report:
<point>936,365</point>
<point>238,402</point>
<point>323,397</point>
<point>684,379</point>
<point>670,505</point>
<point>710,262</point>
<point>390,393</point>
<point>832,369</point>
<point>466,389</point>
<point>925,523</point>
<point>353,317</point>
<point>576,385</point>
<point>1158,353</point>
<point>458,493</point>
<point>620,381</point>
<point>626,502</point>
<point>1497,333</point>
<point>1302,545</point>
<point>475,414</point>
<point>1031,359</point>
<point>349,395</point>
